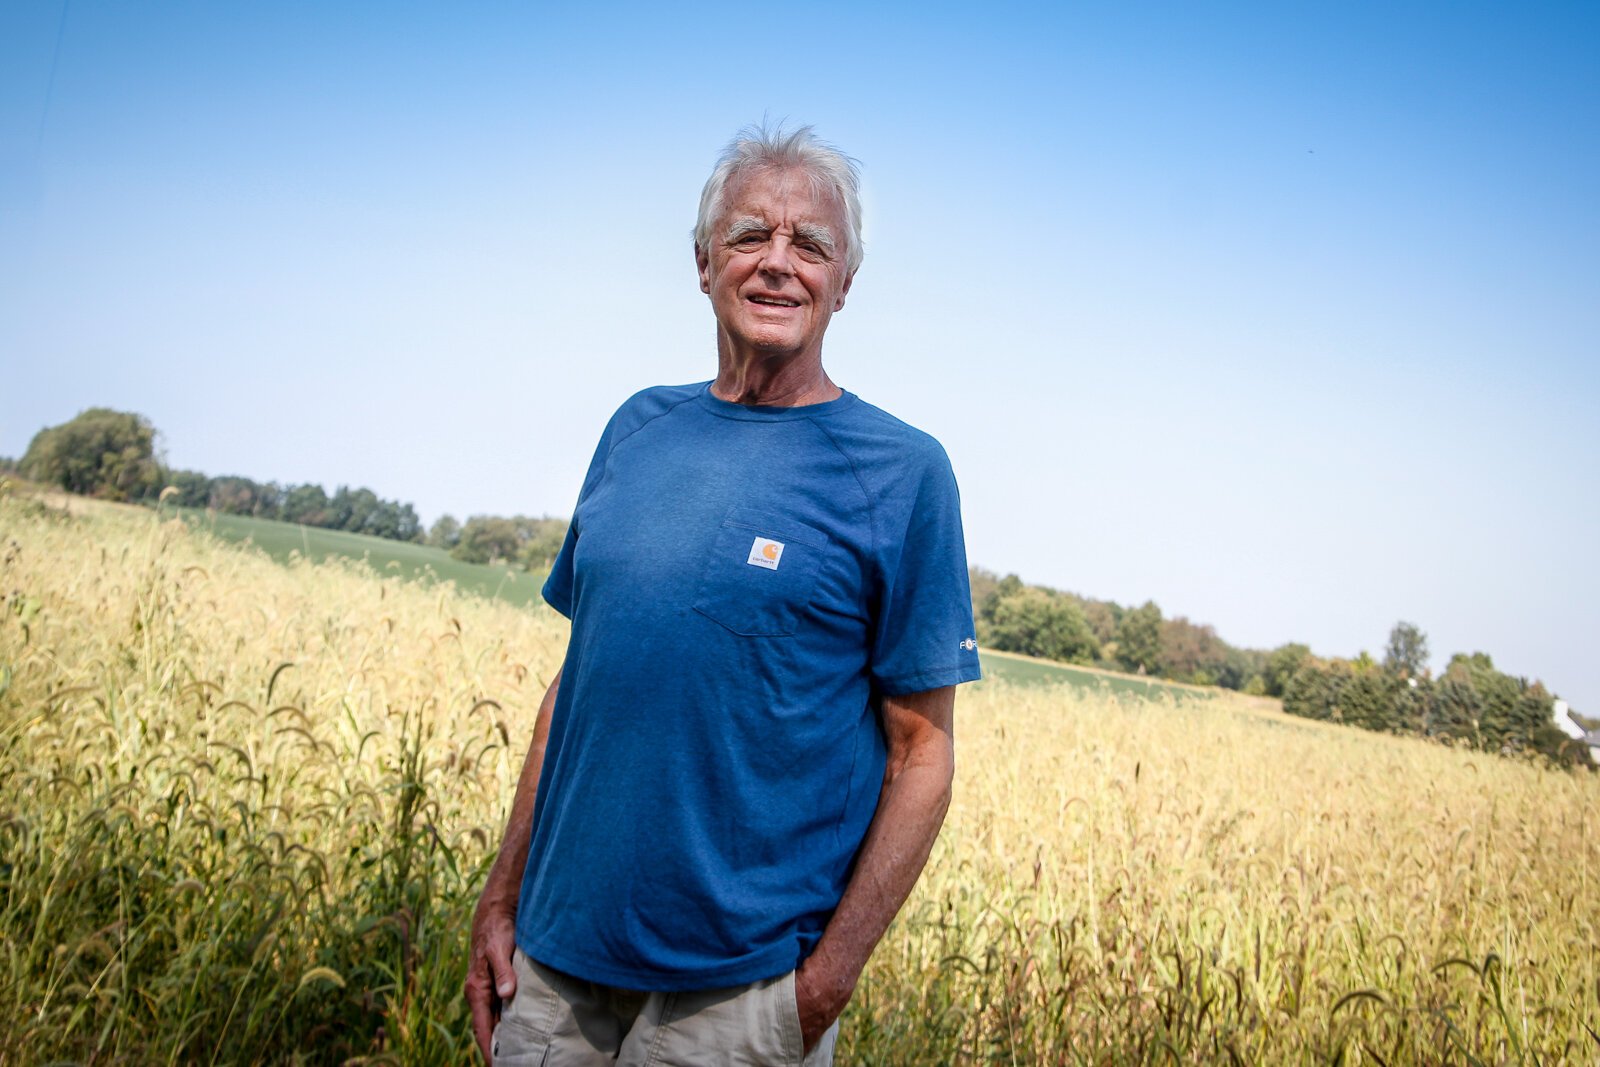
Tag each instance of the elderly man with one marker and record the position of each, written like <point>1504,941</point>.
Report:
<point>737,775</point>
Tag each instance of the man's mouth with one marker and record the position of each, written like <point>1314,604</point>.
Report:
<point>774,301</point>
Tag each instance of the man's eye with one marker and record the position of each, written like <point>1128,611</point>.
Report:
<point>749,239</point>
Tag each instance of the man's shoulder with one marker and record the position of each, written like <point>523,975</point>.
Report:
<point>646,406</point>
<point>659,399</point>
<point>872,432</point>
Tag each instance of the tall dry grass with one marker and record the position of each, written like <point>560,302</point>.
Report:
<point>244,809</point>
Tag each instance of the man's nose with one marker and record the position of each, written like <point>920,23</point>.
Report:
<point>776,258</point>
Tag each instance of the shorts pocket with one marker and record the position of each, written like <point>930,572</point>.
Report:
<point>761,575</point>
<point>515,1046</point>
<point>522,1037</point>
<point>789,1017</point>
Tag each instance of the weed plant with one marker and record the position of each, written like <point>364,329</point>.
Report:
<point>245,809</point>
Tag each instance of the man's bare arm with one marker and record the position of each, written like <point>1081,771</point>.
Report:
<point>911,807</point>
<point>490,979</point>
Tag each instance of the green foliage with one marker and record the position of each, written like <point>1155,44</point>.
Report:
<point>1037,623</point>
<point>981,583</point>
<point>1139,638</point>
<point>533,543</point>
<point>1282,664</point>
<point>1191,653</point>
<point>487,539</point>
<point>307,505</point>
<point>445,532</point>
<point>1015,617</point>
<point>99,452</point>
<point>545,537</point>
<point>359,511</point>
<point>1407,651</point>
<point>1472,703</point>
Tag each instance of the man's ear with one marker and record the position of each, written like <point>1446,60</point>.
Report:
<point>702,264</point>
<point>844,291</point>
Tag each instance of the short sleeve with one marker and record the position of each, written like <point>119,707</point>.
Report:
<point>558,587</point>
<point>923,636</point>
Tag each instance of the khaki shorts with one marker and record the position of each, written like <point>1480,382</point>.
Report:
<point>555,1020</point>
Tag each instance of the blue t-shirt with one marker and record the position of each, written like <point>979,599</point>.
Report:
<point>744,584</point>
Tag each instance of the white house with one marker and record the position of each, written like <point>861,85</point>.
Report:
<point>1567,721</point>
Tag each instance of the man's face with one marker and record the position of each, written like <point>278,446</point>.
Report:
<point>775,269</point>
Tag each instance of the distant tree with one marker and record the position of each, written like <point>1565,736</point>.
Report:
<point>1456,706</point>
<point>1103,616</point>
<point>233,494</point>
<point>1190,652</point>
<point>1406,655</point>
<point>1370,699</point>
<point>1139,638</point>
<point>487,539</point>
<point>1240,667</point>
<point>1314,691</point>
<point>269,501</point>
<point>1493,697</point>
<point>194,488</point>
<point>1282,663</point>
<point>980,583</point>
<point>99,452</point>
<point>353,508</point>
<point>544,539</point>
<point>307,505</point>
<point>1010,585</point>
<point>393,520</point>
<point>445,532</point>
<point>1036,622</point>
<point>1415,706</point>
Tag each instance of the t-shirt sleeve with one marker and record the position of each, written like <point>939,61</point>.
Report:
<point>923,636</point>
<point>558,588</point>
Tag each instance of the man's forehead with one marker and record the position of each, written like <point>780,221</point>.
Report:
<point>781,196</point>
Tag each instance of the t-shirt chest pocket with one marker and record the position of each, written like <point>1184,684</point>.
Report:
<point>761,574</point>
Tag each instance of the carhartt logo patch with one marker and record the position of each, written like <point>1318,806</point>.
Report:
<point>765,553</point>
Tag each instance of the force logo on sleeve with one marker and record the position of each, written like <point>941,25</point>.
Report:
<point>765,553</point>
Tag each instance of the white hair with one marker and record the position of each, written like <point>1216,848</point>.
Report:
<point>758,148</point>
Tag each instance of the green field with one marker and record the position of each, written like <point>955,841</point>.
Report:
<point>283,541</point>
<point>1025,670</point>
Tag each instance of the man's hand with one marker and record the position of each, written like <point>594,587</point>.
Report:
<point>819,1000</point>
<point>491,981</point>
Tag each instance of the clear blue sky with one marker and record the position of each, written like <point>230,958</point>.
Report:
<point>1284,316</point>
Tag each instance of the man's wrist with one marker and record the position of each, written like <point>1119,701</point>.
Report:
<point>827,984</point>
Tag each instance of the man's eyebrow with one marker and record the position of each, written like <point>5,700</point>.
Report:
<point>745,225</point>
<point>816,233</point>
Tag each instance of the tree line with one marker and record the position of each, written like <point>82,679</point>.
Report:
<point>530,543</point>
<point>1039,621</point>
<point>112,455</point>
<point>1470,703</point>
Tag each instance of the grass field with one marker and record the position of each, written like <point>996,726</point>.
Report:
<point>245,806</point>
<point>285,542</point>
